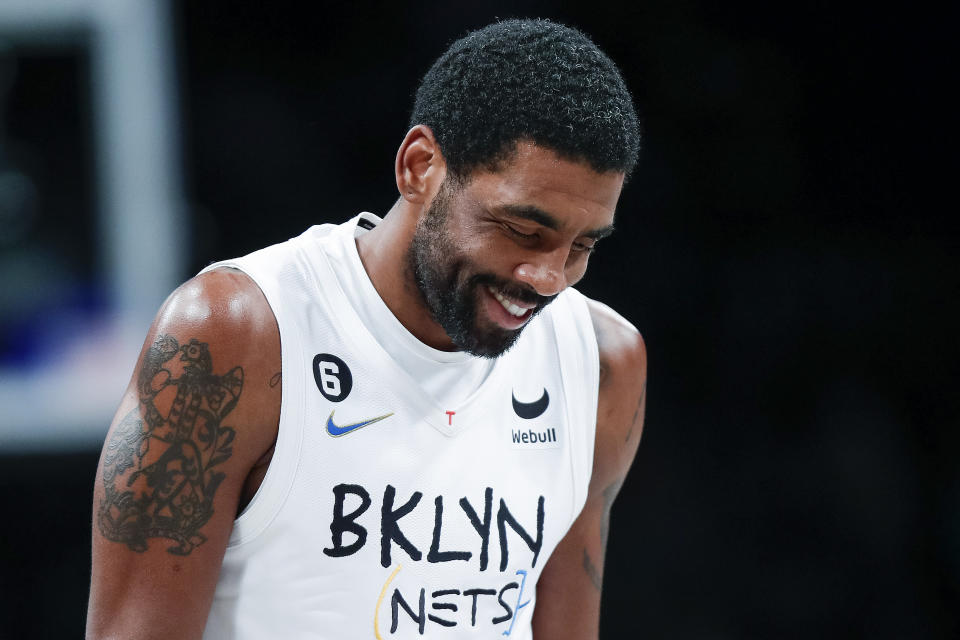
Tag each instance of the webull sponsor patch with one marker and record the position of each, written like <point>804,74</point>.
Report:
<point>525,437</point>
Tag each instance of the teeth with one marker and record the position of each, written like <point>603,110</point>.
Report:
<point>511,308</point>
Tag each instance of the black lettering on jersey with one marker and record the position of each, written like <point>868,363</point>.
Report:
<point>506,607</point>
<point>435,555</point>
<point>390,530</point>
<point>475,593</point>
<point>439,606</point>
<point>482,526</point>
<point>420,618</point>
<point>342,523</point>
<point>504,516</point>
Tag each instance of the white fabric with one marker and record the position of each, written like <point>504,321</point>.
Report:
<point>439,532</point>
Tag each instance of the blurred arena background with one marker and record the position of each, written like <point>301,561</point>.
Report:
<point>781,246</point>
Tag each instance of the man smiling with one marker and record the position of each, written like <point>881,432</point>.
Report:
<point>496,209</point>
<point>403,426</point>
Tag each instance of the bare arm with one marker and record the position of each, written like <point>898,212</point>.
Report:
<point>198,416</point>
<point>568,592</point>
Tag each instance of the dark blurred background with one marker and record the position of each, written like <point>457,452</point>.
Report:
<point>781,246</point>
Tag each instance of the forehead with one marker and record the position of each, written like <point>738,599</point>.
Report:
<point>534,176</point>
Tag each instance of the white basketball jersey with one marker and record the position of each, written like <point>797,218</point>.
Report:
<point>386,513</point>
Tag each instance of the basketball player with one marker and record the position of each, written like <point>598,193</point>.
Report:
<point>400,427</point>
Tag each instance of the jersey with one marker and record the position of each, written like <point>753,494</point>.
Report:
<point>386,511</point>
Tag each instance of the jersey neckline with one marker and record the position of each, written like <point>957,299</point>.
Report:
<point>358,333</point>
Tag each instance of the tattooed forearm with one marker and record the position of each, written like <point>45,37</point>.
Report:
<point>159,466</point>
<point>609,495</point>
<point>594,572</point>
<point>595,575</point>
<point>275,380</point>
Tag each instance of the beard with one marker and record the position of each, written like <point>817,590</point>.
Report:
<point>451,285</point>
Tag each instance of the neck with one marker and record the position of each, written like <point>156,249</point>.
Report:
<point>384,254</point>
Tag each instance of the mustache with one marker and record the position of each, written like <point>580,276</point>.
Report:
<point>510,289</point>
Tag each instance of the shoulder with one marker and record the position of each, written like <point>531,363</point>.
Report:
<point>224,296</point>
<point>224,309</point>
<point>623,353</point>
<point>226,317</point>
<point>622,393</point>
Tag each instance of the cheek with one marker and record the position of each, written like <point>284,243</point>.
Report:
<point>468,239</point>
<point>492,252</point>
<point>576,268</point>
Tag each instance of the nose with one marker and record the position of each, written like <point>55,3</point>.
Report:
<point>545,274</point>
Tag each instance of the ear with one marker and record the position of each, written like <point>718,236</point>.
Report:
<point>420,166</point>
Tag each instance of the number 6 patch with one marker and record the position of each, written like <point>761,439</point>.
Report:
<point>333,377</point>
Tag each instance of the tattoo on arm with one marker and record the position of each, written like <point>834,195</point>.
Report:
<point>593,572</point>
<point>638,414</point>
<point>595,575</point>
<point>609,495</point>
<point>173,441</point>
<point>275,380</point>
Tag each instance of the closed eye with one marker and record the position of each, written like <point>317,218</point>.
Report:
<point>519,234</point>
<point>588,248</point>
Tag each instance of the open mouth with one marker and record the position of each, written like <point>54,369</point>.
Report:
<point>508,313</point>
<point>509,306</point>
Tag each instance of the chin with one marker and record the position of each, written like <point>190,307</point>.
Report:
<point>489,348</point>
<point>490,341</point>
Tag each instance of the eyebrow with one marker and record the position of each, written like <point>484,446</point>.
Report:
<point>541,217</point>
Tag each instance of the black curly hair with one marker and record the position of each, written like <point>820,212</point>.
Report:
<point>527,80</point>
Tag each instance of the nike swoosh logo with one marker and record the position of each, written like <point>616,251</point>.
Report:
<point>337,431</point>
<point>531,410</point>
